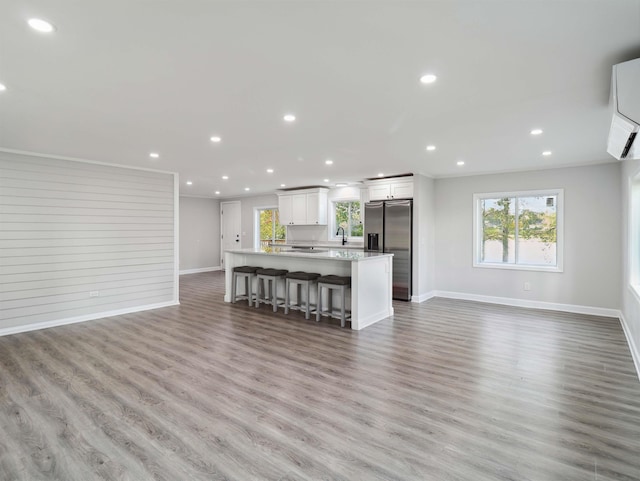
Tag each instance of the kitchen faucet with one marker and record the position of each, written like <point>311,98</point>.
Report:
<point>344,241</point>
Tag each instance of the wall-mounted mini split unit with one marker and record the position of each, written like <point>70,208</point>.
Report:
<point>623,140</point>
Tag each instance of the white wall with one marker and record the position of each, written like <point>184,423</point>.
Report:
<point>592,228</point>
<point>199,234</point>
<point>70,229</point>
<point>630,301</point>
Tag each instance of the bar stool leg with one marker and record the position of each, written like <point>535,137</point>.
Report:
<point>287,285</point>
<point>319,303</point>
<point>308,310</point>
<point>259,290</point>
<point>274,299</point>
<point>343,289</point>
<point>233,288</point>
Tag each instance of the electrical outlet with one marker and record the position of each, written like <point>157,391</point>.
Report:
<point>527,286</point>
<point>94,294</point>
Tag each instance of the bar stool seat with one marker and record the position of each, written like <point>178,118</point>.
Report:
<point>247,273</point>
<point>300,279</point>
<point>271,277</point>
<point>330,283</point>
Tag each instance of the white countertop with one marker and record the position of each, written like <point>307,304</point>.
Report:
<point>320,245</point>
<point>349,255</point>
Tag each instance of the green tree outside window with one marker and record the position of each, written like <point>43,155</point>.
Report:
<point>271,231</point>
<point>349,217</point>
<point>519,230</point>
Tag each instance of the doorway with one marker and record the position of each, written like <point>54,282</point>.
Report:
<point>230,228</point>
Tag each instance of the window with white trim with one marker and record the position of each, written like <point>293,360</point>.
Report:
<point>348,215</point>
<point>518,230</point>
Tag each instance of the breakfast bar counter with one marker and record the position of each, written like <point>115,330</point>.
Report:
<point>371,274</point>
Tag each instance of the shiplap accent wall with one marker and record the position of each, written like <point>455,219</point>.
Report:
<point>81,240</point>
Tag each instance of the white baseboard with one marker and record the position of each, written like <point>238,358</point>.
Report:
<point>201,269</point>
<point>423,297</point>
<point>89,317</point>
<point>372,319</point>
<point>635,353</point>
<point>552,306</point>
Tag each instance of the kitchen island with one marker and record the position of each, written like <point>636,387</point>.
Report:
<point>371,275</point>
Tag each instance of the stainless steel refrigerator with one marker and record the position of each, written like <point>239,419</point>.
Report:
<point>388,227</point>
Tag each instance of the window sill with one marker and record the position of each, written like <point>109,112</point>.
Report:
<point>635,290</point>
<point>516,267</point>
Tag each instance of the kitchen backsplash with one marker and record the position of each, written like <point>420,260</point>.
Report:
<point>307,233</point>
<point>313,234</point>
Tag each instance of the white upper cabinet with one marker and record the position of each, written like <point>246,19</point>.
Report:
<point>391,189</point>
<point>303,207</point>
<point>299,209</point>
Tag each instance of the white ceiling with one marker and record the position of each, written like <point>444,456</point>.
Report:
<point>119,79</point>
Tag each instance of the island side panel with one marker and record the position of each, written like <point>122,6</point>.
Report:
<point>372,288</point>
<point>231,260</point>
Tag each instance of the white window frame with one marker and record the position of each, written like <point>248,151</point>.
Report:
<point>634,234</point>
<point>477,230</point>
<point>334,226</point>
<point>256,224</point>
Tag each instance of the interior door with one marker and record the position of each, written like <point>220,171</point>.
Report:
<point>230,228</point>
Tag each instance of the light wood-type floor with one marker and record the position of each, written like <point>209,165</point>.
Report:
<point>446,390</point>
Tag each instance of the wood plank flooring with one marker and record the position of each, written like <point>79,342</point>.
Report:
<point>446,390</point>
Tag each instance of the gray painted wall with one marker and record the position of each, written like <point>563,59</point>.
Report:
<point>199,233</point>
<point>248,208</point>
<point>423,236</point>
<point>630,301</point>
<point>592,274</point>
<point>70,228</point>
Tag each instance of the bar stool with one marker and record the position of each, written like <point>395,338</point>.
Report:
<point>271,276</point>
<point>299,279</point>
<point>247,273</point>
<point>330,283</point>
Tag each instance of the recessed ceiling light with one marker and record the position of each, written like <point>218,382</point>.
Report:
<point>225,177</point>
<point>216,139</point>
<point>428,78</point>
<point>380,174</point>
<point>247,188</point>
<point>326,180</point>
<point>289,118</point>
<point>328,162</point>
<point>460,162</point>
<point>40,25</point>
<point>270,171</point>
<point>341,184</point>
<point>431,147</point>
<point>546,152</point>
<point>2,88</point>
<point>536,131</point>
<point>283,185</point>
<point>217,192</point>
<point>154,155</point>
<point>189,182</point>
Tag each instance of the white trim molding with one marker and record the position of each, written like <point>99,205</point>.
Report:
<point>201,269</point>
<point>423,297</point>
<point>90,317</point>
<point>552,306</point>
<point>635,353</point>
